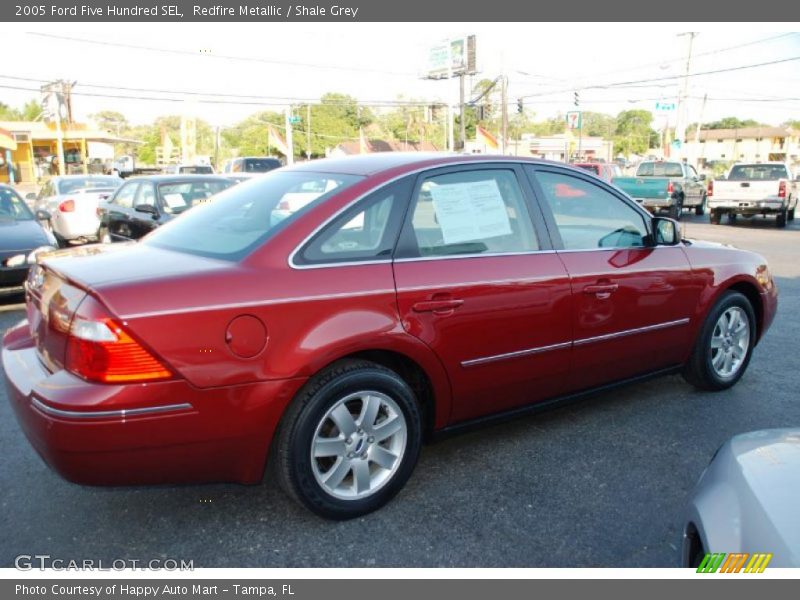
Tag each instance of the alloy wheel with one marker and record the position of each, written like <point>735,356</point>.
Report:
<point>730,342</point>
<point>358,445</point>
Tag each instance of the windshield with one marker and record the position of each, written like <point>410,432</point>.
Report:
<point>68,186</point>
<point>244,216</point>
<point>13,207</point>
<point>591,168</point>
<point>260,165</point>
<point>182,195</point>
<point>197,169</point>
<point>758,172</point>
<point>659,169</point>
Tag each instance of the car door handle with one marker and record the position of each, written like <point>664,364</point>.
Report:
<point>601,290</point>
<point>437,305</point>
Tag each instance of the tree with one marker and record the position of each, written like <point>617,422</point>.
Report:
<point>30,111</point>
<point>7,113</point>
<point>634,133</point>
<point>732,123</point>
<point>599,125</point>
<point>111,120</point>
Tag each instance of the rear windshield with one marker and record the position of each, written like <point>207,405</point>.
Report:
<point>758,172</point>
<point>182,195</point>
<point>260,165</point>
<point>68,186</point>
<point>591,168</point>
<point>659,169</point>
<point>242,217</point>
<point>13,207</point>
<point>197,169</point>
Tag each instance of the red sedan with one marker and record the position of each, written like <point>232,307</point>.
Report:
<point>402,296</point>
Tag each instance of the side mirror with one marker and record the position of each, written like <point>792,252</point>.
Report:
<point>702,176</point>
<point>30,196</point>
<point>43,215</point>
<point>667,231</point>
<point>147,209</point>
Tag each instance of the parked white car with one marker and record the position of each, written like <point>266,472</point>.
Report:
<point>72,202</point>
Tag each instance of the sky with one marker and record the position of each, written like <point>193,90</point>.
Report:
<point>376,62</point>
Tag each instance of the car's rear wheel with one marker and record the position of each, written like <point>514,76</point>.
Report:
<point>723,348</point>
<point>715,217</point>
<point>780,222</point>
<point>790,214</point>
<point>700,209</point>
<point>350,440</point>
<point>676,208</point>
<point>103,236</point>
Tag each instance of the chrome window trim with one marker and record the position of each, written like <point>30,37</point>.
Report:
<point>580,342</point>
<point>482,255</point>
<point>294,265</point>
<point>108,414</point>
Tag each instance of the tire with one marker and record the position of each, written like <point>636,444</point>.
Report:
<point>103,237</point>
<point>731,218</point>
<point>336,398</point>
<point>715,217</point>
<point>780,220</point>
<point>700,210</point>
<point>790,214</point>
<point>676,209</point>
<point>708,367</point>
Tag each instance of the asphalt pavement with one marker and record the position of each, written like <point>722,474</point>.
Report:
<point>601,483</point>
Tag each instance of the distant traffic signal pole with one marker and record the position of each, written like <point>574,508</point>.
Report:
<point>580,125</point>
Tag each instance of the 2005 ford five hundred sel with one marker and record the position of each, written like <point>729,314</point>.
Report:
<point>402,296</point>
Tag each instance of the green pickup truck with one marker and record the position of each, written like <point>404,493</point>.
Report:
<point>660,185</point>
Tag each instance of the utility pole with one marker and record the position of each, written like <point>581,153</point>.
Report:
<point>463,136</point>
<point>451,136</point>
<point>680,126</point>
<point>697,131</point>
<point>504,111</point>
<point>289,144</point>
<point>216,149</point>
<point>308,131</point>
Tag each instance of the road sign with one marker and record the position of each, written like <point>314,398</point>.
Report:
<point>294,120</point>
<point>665,106</point>
<point>574,119</point>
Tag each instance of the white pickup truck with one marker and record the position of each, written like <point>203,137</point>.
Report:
<point>752,189</point>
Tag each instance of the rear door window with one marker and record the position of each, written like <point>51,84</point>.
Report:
<point>472,212</point>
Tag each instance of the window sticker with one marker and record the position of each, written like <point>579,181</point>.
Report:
<point>470,211</point>
<point>174,200</point>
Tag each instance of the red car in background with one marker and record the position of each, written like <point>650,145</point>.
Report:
<point>414,294</point>
<point>605,171</point>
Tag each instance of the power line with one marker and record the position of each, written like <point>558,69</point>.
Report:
<point>255,59</point>
<point>253,99</point>
<point>667,78</point>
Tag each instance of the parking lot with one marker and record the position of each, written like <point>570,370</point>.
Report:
<point>600,483</point>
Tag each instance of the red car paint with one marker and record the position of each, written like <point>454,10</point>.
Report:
<point>505,331</point>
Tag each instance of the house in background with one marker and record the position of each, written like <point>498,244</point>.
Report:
<point>35,143</point>
<point>371,146</point>
<point>748,144</point>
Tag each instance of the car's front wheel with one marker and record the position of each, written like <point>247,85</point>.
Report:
<point>350,440</point>
<point>723,348</point>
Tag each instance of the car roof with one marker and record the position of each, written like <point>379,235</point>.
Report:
<point>174,177</point>
<point>369,164</point>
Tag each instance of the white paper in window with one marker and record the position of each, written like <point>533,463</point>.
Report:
<point>470,211</point>
<point>174,200</point>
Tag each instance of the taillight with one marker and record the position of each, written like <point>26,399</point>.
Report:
<point>67,206</point>
<point>710,188</point>
<point>102,350</point>
<point>670,187</point>
<point>782,189</point>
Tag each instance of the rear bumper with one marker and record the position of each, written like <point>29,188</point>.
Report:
<point>73,228</point>
<point>655,203</point>
<point>166,432</point>
<point>745,207</point>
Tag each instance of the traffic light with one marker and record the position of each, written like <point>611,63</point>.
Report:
<point>520,106</point>
<point>577,99</point>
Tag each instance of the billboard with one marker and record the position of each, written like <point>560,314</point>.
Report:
<point>452,57</point>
